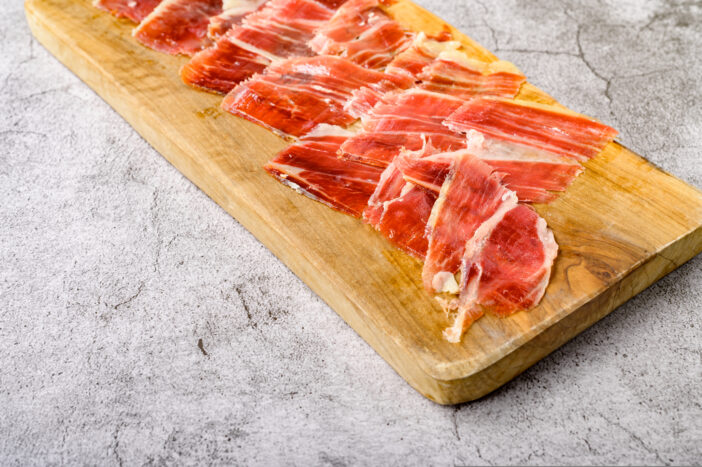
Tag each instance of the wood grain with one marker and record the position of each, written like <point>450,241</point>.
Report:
<point>622,225</point>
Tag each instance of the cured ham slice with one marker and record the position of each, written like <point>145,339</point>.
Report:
<point>471,197</point>
<point>362,32</point>
<point>281,29</point>
<point>421,53</point>
<point>312,168</point>
<point>538,126</point>
<point>135,10</point>
<point>400,211</point>
<point>452,72</point>
<point>178,26</point>
<point>534,175</point>
<point>505,268</point>
<point>233,13</point>
<point>294,96</point>
<point>409,120</point>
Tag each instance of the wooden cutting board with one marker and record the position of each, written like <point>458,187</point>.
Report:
<point>621,226</point>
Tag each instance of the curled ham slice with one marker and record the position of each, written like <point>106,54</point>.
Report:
<point>506,268</point>
<point>135,10</point>
<point>536,176</point>
<point>280,29</point>
<point>538,126</point>
<point>400,211</point>
<point>294,96</point>
<point>178,26</point>
<point>312,168</point>
<point>361,31</point>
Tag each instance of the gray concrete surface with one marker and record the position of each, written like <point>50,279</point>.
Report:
<point>139,323</point>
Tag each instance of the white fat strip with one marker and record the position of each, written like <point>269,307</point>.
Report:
<point>324,129</point>
<point>550,252</point>
<point>252,49</point>
<point>445,282</point>
<point>488,148</point>
<point>463,60</point>
<point>239,7</point>
<point>155,13</point>
<point>434,47</point>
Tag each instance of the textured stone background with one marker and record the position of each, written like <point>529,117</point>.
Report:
<point>115,268</point>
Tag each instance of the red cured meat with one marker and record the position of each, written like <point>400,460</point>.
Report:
<point>362,32</point>
<point>312,167</point>
<point>178,26</point>
<point>506,268</point>
<point>233,13</point>
<point>281,29</point>
<point>471,196</point>
<point>455,74</point>
<point>294,96</point>
<point>538,126</point>
<point>407,120</point>
<point>135,10</point>
<point>400,211</point>
<point>533,175</point>
<point>421,53</point>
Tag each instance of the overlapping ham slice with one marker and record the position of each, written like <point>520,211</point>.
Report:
<point>422,52</point>
<point>409,120</point>
<point>408,64</point>
<point>362,32</point>
<point>135,10</point>
<point>281,29</point>
<point>504,250</point>
<point>178,26</point>
<point>233,13</point>
<point>537,126</point>
<point>445,79</point>
<point>452,72</point>
<point>294,96</point>
<point>505,268</point>
<point>471,195</point>
<point>311,167</point>
<point>535,175</point>
<point>400,211</point>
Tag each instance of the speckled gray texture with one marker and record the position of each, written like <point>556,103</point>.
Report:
<point>115,267</point>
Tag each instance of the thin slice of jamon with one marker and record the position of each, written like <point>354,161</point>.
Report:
<point>535,175</point>
<point>312,168</point>
<point>294,96</point>
<point>135,10</point>
<point>400,211</point>
<point>362,32</point>
<point>535,125</point>
<point>409,120</point>
<point>505,268</point>
<point>281,29</point>
<point>233,13</point>
<point>421,53</point>
<point>178,26</point>
<point>471,197</point>
<point>452,72</point>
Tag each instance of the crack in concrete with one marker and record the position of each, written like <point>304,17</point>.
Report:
<point>240,294</point>
<point>636,438</point>
<point>593,70</point>
<point>534,51</point>
<point>201,346</point>
<point>480,456</point>
<point>157,228</point>
<point>454,421</point>
<point>132,298</point>
<point>115,446</point>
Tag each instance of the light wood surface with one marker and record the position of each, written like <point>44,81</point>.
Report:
<point>622,225</point>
